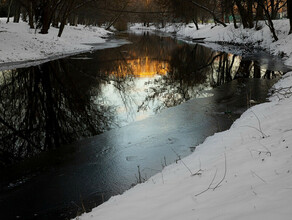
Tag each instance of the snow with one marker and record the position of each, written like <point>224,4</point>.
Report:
<point>242,173</point>
<point>257,38</point>
<point>19,43</point>
<point>258,175</point>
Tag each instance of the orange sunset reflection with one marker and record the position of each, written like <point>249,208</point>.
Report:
<point>143,67</point>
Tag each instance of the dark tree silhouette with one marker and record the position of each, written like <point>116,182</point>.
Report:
<point>45,106</point>
<point>289,6</point>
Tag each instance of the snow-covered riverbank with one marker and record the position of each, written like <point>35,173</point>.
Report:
<point>257,38</point>
<point>19,44</point>
<point>242,173</point>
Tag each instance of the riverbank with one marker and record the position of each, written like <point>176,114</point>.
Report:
<point>209,33</point>
<point>242,173</point>
<point>21,44</point>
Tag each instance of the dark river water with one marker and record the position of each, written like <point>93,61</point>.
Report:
<point>78,130</point>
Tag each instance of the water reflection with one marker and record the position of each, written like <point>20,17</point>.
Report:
<point>58,102</point>
<point>195,69</point>
<point>45,106</point>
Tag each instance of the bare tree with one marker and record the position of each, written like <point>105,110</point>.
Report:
<point>9,10</point>
<point>271,9</point>
<point>210,11</point>
<point>245,11</point>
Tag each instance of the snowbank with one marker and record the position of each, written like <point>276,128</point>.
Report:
<point>242,173</point>
<point>257,38</point>
<point>19,43</point>
<point>257,183</point>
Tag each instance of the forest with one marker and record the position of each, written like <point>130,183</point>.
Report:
<point>41,14</point>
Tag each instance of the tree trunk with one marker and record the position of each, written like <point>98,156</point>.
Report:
<point>9,10</point>
<point>268,74</point>
<point>55,20</point>
<point>117,17</point>
<point>17,12</point>
<point>196,23</point>
<point>234,18</point>
<point>246,14</point>
<point>272,28</point>
<point>257,71</point>
<point>62,26</point>
<point>273,11</point>
<point>243,70</point>
<point>250,14</point>
<point>76,18</point>
<point>52,126</point>
<point>216,20</point>
<point>259,12</point>
<point>46,20</point>
<point>242,13</point>
<point>30,15</point>
<point>270,23</point>
<point>289,7</point>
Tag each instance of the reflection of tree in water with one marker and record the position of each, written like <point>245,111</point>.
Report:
<point>45,106</point>
<point>193,69</point>
<point>58,102</point>
<point>189,67</point>
<point>146,54</point>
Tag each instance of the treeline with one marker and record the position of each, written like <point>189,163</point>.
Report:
<point>42,14</point>
<point>248,12</point>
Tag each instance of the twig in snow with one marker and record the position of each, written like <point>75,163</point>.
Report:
<point>258,176</point>
<point>182,162</point>
<point>158,171</point>
<point>282,93</point>
<point>258,129</point>
<point>199,172</point>
<point>225,171</point>
<point>218,184</point>
<point>209,187</point>
<point>139,178</point>
<point>163,163</point>
<point>83,207</point>
<point>260,126</point>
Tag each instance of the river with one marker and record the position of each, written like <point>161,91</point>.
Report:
<point>78,130</point>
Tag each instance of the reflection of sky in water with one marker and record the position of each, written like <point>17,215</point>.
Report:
<point>149,74</point>
<point>93,92</point>
<point>146,72</point>
<point>124,77</point>
<point>127,112</point>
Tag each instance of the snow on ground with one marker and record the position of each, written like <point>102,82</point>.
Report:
<point>257,184</point>
<point>258,38</point>
<point>19,43</point>
<point>242,173</point>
